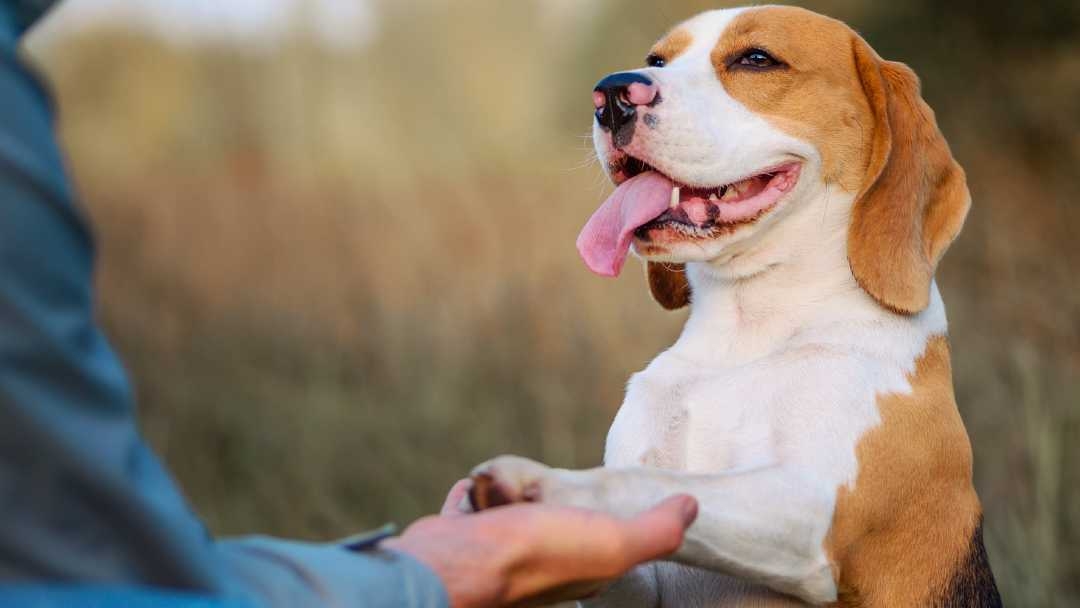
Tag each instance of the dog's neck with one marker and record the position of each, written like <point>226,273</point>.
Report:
<point>789,281</point>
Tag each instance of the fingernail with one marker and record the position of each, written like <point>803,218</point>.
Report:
<point>689,510</point>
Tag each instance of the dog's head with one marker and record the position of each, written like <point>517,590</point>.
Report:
<point>743,115</point>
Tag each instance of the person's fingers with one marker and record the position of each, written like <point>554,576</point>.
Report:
<point>456,497</point>
<point>572,551</point>
<point>658,532</point>
<point>595,545</point>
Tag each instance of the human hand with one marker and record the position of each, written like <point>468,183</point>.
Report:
<point>533,554</point>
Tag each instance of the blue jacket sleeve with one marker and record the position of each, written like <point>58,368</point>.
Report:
<point>82,498</point>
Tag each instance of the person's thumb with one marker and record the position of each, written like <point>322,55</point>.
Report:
<point>659,531</point>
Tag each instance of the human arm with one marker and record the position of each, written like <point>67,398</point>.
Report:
<point>83,499</point>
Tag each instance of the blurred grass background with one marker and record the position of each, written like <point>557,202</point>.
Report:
<point>341,275</point>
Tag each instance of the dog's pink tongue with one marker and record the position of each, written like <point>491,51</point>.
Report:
<point>605,240</point>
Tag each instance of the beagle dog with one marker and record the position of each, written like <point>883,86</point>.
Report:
<point>792,188</point>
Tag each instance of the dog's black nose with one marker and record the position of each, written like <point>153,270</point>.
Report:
<point>616,99</point>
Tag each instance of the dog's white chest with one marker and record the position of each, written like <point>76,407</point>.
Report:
<point>685,417</point>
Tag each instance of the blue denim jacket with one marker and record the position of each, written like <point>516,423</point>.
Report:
<point>83,500</point>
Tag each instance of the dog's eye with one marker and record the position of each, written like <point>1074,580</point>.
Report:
<point>654,61</point>
<point>757,58</point>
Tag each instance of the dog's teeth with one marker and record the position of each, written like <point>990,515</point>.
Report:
<point>712,197</point>
<point>674,197</point>
<point>729,193</point>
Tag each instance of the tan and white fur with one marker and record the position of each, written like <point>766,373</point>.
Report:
<point>808,402</point>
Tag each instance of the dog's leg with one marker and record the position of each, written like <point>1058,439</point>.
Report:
<point>767,525</point>
<point>637,589</point>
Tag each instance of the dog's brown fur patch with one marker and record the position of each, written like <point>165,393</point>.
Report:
<point>905,533</point>
<point>672,45</point>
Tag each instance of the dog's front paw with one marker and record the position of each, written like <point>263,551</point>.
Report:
<point>505,480</point>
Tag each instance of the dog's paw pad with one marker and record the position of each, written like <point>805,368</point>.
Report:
<point>505,480</point>
<point>487,493</point>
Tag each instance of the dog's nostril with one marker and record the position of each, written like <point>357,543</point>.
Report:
<point>616,98</point>
<point>640,94</point>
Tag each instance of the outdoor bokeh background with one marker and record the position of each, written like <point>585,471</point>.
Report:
<point>337,255</point>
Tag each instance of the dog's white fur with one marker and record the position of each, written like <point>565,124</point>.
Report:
<point>756,410</point>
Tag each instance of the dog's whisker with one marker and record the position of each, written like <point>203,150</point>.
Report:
<point>590,160</point>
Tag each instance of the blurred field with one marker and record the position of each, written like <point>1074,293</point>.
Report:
<point>340,278</point>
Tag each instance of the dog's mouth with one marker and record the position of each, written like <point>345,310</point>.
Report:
<point>702,212</point>
<point>648,205</point>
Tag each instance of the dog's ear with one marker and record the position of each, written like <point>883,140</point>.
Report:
<point>668,284</point>
<point>914,198</point>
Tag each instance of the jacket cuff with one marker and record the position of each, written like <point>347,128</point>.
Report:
<point>272,572</point>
